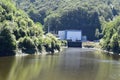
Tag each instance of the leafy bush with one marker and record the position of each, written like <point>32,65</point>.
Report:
<point>39,43</point>
<point>51,43</point>
<point>7,42</point>
<point>27,45</point>
<point>114,43</point>
<point>111,38</point>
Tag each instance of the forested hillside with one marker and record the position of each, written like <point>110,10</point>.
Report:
<point>71,14</point>
<point>91,16</point>
<point>105,8</point>
<point>19,33</point>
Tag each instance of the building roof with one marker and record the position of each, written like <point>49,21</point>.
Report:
<point>70,30</point>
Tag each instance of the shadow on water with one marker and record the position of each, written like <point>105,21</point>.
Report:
<point>108,66</point>
<point>114,56</point>
<point>73,64</point>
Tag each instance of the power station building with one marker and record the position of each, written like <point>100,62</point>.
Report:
<point>73,37</point>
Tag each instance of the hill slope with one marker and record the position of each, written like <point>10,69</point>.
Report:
<point>71,14</point>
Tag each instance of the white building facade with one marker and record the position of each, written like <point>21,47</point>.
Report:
<point>72,35</point>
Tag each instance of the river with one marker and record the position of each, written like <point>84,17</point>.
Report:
<point>70,64</point>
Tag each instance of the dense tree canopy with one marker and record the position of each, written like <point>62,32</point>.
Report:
<point>96,18</point>
<point>111,38</point>
<point>19,32</point>
<point>71,14</point>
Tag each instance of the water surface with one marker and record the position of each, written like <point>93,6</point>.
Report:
<point>71,64</point>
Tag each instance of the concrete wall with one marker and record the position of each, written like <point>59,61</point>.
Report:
<point>74,44</point>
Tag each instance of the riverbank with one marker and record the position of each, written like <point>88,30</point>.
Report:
<point>96,46</point>
<point>90,44</point>
<point>20,53</point>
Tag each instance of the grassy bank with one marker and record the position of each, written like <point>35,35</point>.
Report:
<point>90,44</point>
<point>96,45</point>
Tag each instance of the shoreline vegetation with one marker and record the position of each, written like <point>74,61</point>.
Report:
<point>20,54</point>
<point>19,33</point>
<point>96,19</point>
<point>37,53</point>
<point>88,44</point>
<point>96,46</point>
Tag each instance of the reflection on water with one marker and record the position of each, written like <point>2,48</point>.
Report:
<point>73,64</point>
<point>5,67</point>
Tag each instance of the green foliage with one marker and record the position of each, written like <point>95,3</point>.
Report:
<point>111,38</point>
<point>71,14</point>
<point>18,31</point>
<point>97,33</point>
<point>64,43</point>
<point>114,43</point>
<point>27,45</point>
<point>51,43</point>
<point>38,41</point>
<point>7,42</point>
<point>78,19</point>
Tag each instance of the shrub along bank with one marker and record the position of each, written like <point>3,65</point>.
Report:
<point>111,38</point>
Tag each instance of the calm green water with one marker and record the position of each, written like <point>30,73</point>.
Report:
<point>72,64</point>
